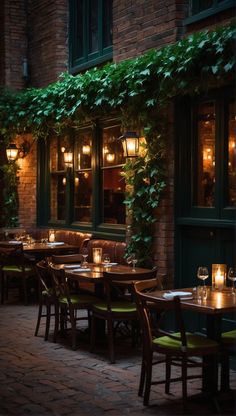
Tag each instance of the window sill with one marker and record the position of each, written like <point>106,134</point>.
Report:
<point>210,12</point>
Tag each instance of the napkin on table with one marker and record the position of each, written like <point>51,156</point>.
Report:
<point>184,295</point>
<point>81,270</point>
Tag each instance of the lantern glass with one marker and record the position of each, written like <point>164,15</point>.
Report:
<point>68,158</point>
<point>12,152</point>
<point>219,276</point>
<point>97,255</point>
<point>130,142</point>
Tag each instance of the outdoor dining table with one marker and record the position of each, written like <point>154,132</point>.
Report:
<point>94,274</point>
<point>214,306</point>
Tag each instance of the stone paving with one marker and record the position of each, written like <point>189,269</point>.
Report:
<point>41,378</point>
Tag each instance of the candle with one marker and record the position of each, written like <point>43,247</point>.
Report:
<point>51,236</point>
<point>218,276</point>
<point>219,280</point>
<point>97,255</point>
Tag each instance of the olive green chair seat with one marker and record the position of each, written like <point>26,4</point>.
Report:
<point>228,348</point>
<point>192,342</point>
<point>117,308</point>
<point>14,265</point>
<point>70,303</point>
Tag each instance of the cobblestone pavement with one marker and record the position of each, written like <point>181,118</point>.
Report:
<point>43,378</point>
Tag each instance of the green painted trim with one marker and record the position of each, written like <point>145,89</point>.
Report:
<point>215,9</point>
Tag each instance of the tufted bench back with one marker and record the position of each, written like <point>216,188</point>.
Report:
<point>115,249</point>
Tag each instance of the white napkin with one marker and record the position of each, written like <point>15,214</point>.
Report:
<point>71,266</point>
<point>56,243</point>
<point>14,242</point>
<point>109,264</point>
<point>184,295</point>
<point>81,270</point>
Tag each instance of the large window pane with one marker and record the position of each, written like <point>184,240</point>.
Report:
<point>83,176</point>
<point>93,26</point>
<point>106,24</point>
<point>205,186</point>
<point>58,198</point>
<point>83,197</point>
<point>113,183</point>
<point>231,200</point>
<point>79,35</point>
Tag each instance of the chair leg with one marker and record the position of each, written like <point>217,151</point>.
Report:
<point>92,334</point>
<point>73,329</point>
<point>224,377</point>
<point>38,319</point>
<point>48,318</point>
<point>142,376</point>
<point>148,380</point>
<point>2,277</point>
<point>56,324</point>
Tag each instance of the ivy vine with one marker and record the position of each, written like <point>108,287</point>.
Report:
<point>136,89</point>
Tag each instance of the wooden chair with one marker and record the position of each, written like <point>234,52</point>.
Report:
<point>70,303</point>
<point>117,306</point>
<point>48,304</point>
<point>13,264</point>
<point>178,348</point>
<point>67,258</point>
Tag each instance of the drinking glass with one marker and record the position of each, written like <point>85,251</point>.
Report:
<point>85,262</point>
<point>106,259</point>
<point>202,273</point>
<point>232,277</point>
<point>132,260</point>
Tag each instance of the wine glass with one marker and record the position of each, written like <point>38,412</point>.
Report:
<point>85,262</point>
<point>132,260</point>
<point>232,277</point>
<point>202,273</point>
<point>106,259</point>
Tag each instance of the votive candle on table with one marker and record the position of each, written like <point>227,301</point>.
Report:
<point>218,276</point>
<point>97,255</point>
<point>51,237</point>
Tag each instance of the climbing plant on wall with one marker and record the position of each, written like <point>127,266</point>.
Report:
<point>136,89</point>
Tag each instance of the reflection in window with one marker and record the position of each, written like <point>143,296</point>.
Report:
<point>93,26</point>
<point>205,192</point>
<point>231,200</point>
<point>83,176</point>
<point>113,183</point>
<point>58,198</point>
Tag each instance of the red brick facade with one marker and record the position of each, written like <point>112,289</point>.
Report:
<point>38,31</point>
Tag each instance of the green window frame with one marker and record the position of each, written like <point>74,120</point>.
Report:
<point>90,33</point>
<point>207,201</point>
<point>202,9</point>
<point>88,192</point>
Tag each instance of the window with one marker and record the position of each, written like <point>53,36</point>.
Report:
<point>200,9</point>
<point>86,189</point>
<point>90,33</point>
<point>209,153</point>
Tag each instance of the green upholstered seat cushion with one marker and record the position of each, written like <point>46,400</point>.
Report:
<point>48,292</point>
<point>118,307</point>
<point>193,341</point>
<point>16,269</point>
<point>79,299</point>
<point>229,337</point>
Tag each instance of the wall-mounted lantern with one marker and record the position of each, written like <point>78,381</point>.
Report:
<point>13,152</point>
<point>130,142</point>
<point>68,158</point>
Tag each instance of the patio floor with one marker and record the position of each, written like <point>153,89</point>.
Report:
<point>42,378</point>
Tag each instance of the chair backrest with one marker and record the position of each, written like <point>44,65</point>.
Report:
<point>67,258</point>
<point>153,311</point>
<point>116,283</point>
<point>44,276</point>
<point>11,253</point>
<point>61,288</point>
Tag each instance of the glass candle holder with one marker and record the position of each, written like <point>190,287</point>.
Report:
<point>97,255</point>
<point>218,276</point>
<point>51,236</point>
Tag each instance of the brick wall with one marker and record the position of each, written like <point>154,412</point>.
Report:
<point>48,40</point>
<point>27,184</point>
<point>141,25</point>
<point>13,43</point>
